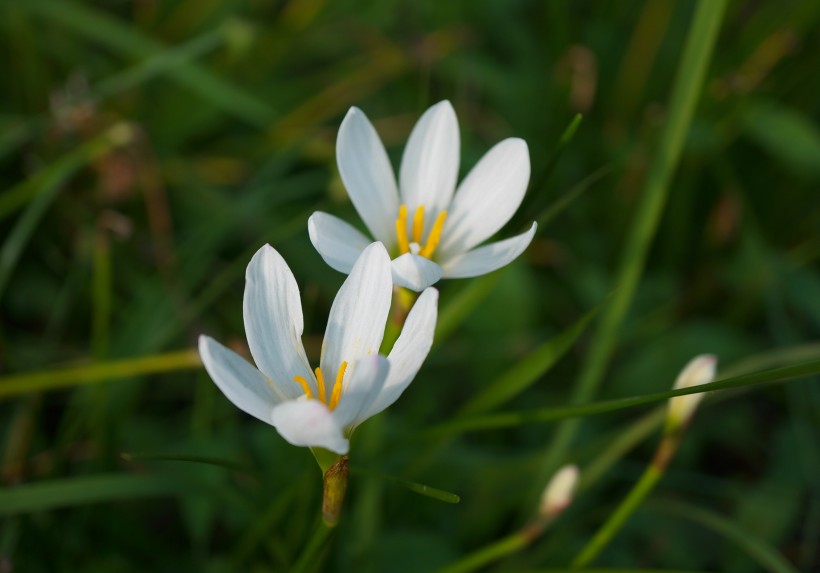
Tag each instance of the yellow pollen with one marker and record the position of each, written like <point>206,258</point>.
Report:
<point>401,230</point>
<point>320,381</point>
<point>305,386</point>
<point>337,387</point>
<point>418,224</point>
<point>335,396</point>
<point>435,236</point>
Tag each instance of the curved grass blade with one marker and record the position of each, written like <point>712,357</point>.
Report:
<point>72,492</point>
<point>529,370</point>
<point>94,373</point>
<point>43,188</point>
<point>420,488</point>
<point>227,464</point>
<point>767,557</point>
<point>459,308</point>
<point>126,40</point>
<point>544,415</point>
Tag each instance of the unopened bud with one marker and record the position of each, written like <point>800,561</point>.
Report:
<point>559,491</point>
<point>700,370</point>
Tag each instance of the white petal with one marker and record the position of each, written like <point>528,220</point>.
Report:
<point>699,370</point>
<point>355,326</point>
<point>488,258</point>
<point>338,242</point>
<point>409,351</point>
<point>415,272</point>
<point>361,390</point>
<point>273,321</point>
<point>487,198</point>
<point>309,423</point>
<point>429,166</point>
<point>245,386</point>
<point>367,175</point>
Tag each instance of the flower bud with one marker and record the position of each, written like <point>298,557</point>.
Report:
<point>700,370</point>
<point>559,491</point>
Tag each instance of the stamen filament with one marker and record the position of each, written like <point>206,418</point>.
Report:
<point>435,236</point>
<point>305,386</point>
<point>418,224</point>
<point>401,230</point>
<point>337,387</point>
<point>320,381</point>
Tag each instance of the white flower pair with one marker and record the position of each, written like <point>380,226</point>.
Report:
<point>432,234</point>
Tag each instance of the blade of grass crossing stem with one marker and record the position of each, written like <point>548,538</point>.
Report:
<point>48,183</point>
<point>529,370</point>
<point>18,384</point>
<point>99,27</point>
<point>767,557</point>
<point>72,492</point>
<point>544,415</point>
<point>686,92</point>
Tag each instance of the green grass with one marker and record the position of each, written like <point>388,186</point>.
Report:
<point>148,149</point>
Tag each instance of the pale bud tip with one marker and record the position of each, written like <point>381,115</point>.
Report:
<point>699,370</point>
<point>559,491</point>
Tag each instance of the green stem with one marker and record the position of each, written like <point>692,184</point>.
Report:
<point>685,94</point>
<point>309,555</point>
<point>628,506</point>
<point>490,553</point>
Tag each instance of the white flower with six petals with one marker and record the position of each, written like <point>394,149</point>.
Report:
<point>304,407</point>
<point>432,228</point>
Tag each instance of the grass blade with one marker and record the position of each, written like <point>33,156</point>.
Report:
<point>540,416</point>
<point>44,187</point>
<point>529,370</point>
<point>72,492</point>
<point>766,556</point>
<point>94,373</point>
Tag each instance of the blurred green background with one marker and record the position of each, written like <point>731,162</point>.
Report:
<point>148,148</point>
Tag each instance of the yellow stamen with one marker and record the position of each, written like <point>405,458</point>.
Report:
<point>435,236</point>
<point>320,380</point>
<point>401,230</point>
<point>337,387</point>
<point>418,224</point>
<point>305,386</point>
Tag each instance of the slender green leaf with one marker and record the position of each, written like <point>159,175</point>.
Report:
<point>128,41</point>
<point>207,460</point>
<point>767,557</point>
<point>71,492</point>
<point>686,92</point>
<point>544,415</point>
<point>44,188</point>
<point>94,373</point>
<point>420,488</point>
<point>457,309</point>
<point>529,370</point>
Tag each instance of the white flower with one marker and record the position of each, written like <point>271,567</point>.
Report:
<point>353,381</point>
<point>431,228</point>
<point>699,370</point>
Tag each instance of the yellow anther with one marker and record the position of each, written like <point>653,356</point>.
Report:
<point>305,386</point>
<point>401,230</point>
<point>435,236</point>
<point>337,387</point>
<point>320,381</point>
<point>418,224</point>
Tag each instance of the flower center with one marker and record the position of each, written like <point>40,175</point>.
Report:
<point>406,245</point>
<point>335,394</point>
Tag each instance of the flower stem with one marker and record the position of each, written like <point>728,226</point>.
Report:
<point>490,553</point>
<point>663,455</point>
<point>308,556</point>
